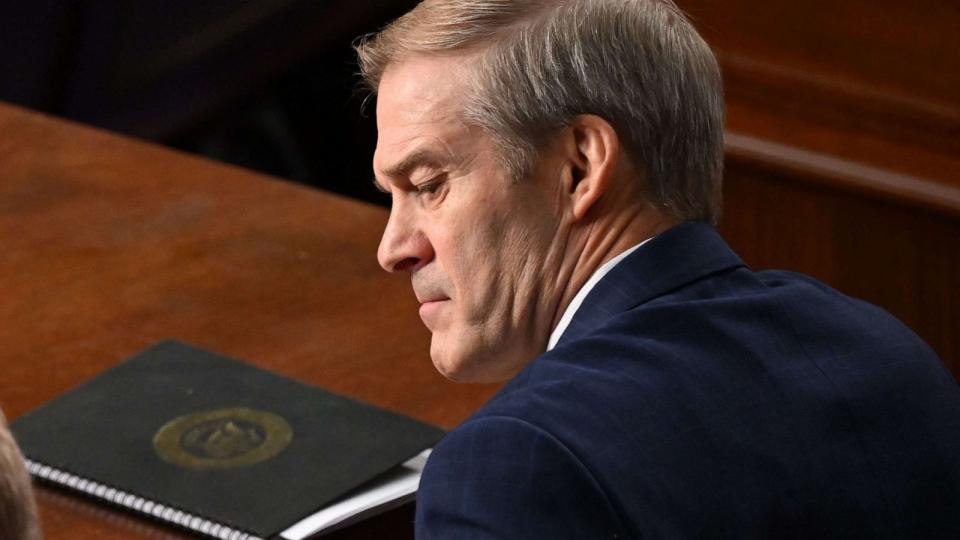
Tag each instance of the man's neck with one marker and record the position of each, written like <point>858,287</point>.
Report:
<point>600,241</point>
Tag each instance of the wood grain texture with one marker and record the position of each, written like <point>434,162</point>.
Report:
<point>876,82</point>
<point>110,245</point>
<point>843,175</point>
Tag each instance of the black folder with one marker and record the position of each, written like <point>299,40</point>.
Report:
<point>212,444</point>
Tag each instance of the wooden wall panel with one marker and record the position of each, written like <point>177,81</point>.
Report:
<point>899,48</point>
<point>902,257</point>
<point>882,71</point>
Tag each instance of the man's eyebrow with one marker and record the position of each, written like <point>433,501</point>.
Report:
<point>417,158</point>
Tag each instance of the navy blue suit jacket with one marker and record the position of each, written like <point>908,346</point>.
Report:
<point>691,397</point>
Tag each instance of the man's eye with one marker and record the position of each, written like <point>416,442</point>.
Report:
<point>431,190</point>
<point>428,188</point>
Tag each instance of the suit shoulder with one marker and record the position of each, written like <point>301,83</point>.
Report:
<point>823,315</point>
<point>484,470</point>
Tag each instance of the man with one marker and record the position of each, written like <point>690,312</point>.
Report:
<point>554,169</point>
<point>18,512</point>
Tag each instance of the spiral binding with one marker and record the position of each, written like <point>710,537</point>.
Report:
<point>137,503</point>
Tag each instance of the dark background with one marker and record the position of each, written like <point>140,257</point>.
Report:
<point>266,84</point>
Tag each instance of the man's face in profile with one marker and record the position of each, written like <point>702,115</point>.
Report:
<point>478,245</point>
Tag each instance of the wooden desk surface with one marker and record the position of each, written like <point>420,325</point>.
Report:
<point>108,245</point>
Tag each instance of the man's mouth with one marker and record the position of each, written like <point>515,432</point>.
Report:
<point>429,309</point>
<point>427,297</point>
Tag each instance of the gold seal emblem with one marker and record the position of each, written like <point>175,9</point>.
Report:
<point>222,438</point>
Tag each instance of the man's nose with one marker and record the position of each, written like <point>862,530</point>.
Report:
<point>404,246</point>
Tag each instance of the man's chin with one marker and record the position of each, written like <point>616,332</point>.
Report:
<point>453,369</point>
<point>461,367</point>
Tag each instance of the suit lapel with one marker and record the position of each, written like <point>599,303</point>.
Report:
<point>673,259</point>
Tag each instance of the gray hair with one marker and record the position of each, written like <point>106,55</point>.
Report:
<point>638,64</point>
<point>18,509</point>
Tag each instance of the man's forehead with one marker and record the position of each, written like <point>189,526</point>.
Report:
<point>420,88</point>
<point>417,114</point>
<point>402,149</point>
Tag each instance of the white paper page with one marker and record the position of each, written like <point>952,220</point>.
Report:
<point>396,485</point>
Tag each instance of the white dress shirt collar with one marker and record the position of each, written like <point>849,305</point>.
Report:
<point>582,293</point>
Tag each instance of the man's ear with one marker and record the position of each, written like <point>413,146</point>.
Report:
<point>592,151</point>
